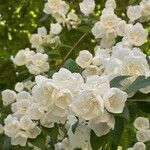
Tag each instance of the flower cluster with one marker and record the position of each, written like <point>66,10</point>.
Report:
<point>143,133</point>
<point>36,63</point>
<point>141,11</point>
<point>54,100</point>
<point>110,26</point>
<point>42,38</point>
<point>85,99</point>
<point>60,11</point>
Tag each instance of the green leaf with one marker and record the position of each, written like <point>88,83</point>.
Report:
<point>72,66</point>
<point>139,83</point>
<point>39,142</point>
<point>97,142</point>
<point>115,82</point>
<point>115,135</point>
<point>140,97</point>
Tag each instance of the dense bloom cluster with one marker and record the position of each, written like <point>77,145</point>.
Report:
<point>143,133</point>
<point>36,63</point>
<point>85,99</point>
<point>141,11</point>
<point>60,10</point>
<point>42,38</point>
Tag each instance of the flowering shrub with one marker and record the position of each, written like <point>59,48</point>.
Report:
<point>92,102</point>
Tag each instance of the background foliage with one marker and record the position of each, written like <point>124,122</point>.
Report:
<point>20,18</point>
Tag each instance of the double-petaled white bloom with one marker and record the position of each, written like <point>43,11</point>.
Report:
<point>11,127</point>
<point>88,105</point>
<point>97,83</point>
<point>62,98</point>
<point>102,125</point>
<point>66,80</point>
<point>110,4</point>
<point>55,28</point>
<point>134,12</point>
<point>8,97</point>
<point>19,86</point>
<point>145,4</point>
<point>43,93</point>
<point>87,7</point>
<point>136,34</point>
<point>72,20</point>
<point>132,66</point>
<point>84,59</point>
<point>38,64</point>
<point>114,100</point>
<point>91,70</point>
<point>23,57</point>
<point>141,123</point>
<point>100,56</point>
<point>139,146</point>
<point>57,8</point>
<point>143,135</point>
<point>35,111</point>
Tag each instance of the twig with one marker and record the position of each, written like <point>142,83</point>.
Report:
<point>70,51</point>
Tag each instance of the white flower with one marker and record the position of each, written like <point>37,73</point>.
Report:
<point>132,66</point>
<point>59,146</point>
<point>134,12</point>
<point>139,146</point>
<point>33,132</point>
<point>8,97</point>
<point>91,70</point>
<point>36,41</point>
<point>145,90</point>
<point>72,20</point>
<point>87,7</point>
<point>43,93</point>
<point>20,107</point>
<point>11,127</point>
<point>98,31</point>
<point>84,59</point>
<point>110,4</point>
<point>23,57</point>
<point>35,111</point>
<point>141,123</point>
<point>100,83</point>
<point>145,4</point>
<point>109,21</point>
<point>42,32</point>
<point>23,95</point>
<point>100,129</point>
<point>55,28</point>
<point>19,86</point>
<point>100,56</point>
<point>46,122</point>
<point>136,34</point>
<point>143,135</point>
<point>80,138</point>
<point>25,123</point>
<point>88,105</point>
<point>57,8</point>
<point>19,139</point>
<point>114,100</point>
<point>63,98</point>
<point>102,125</point>
<point>39,64</point>
<point>66,80</point>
